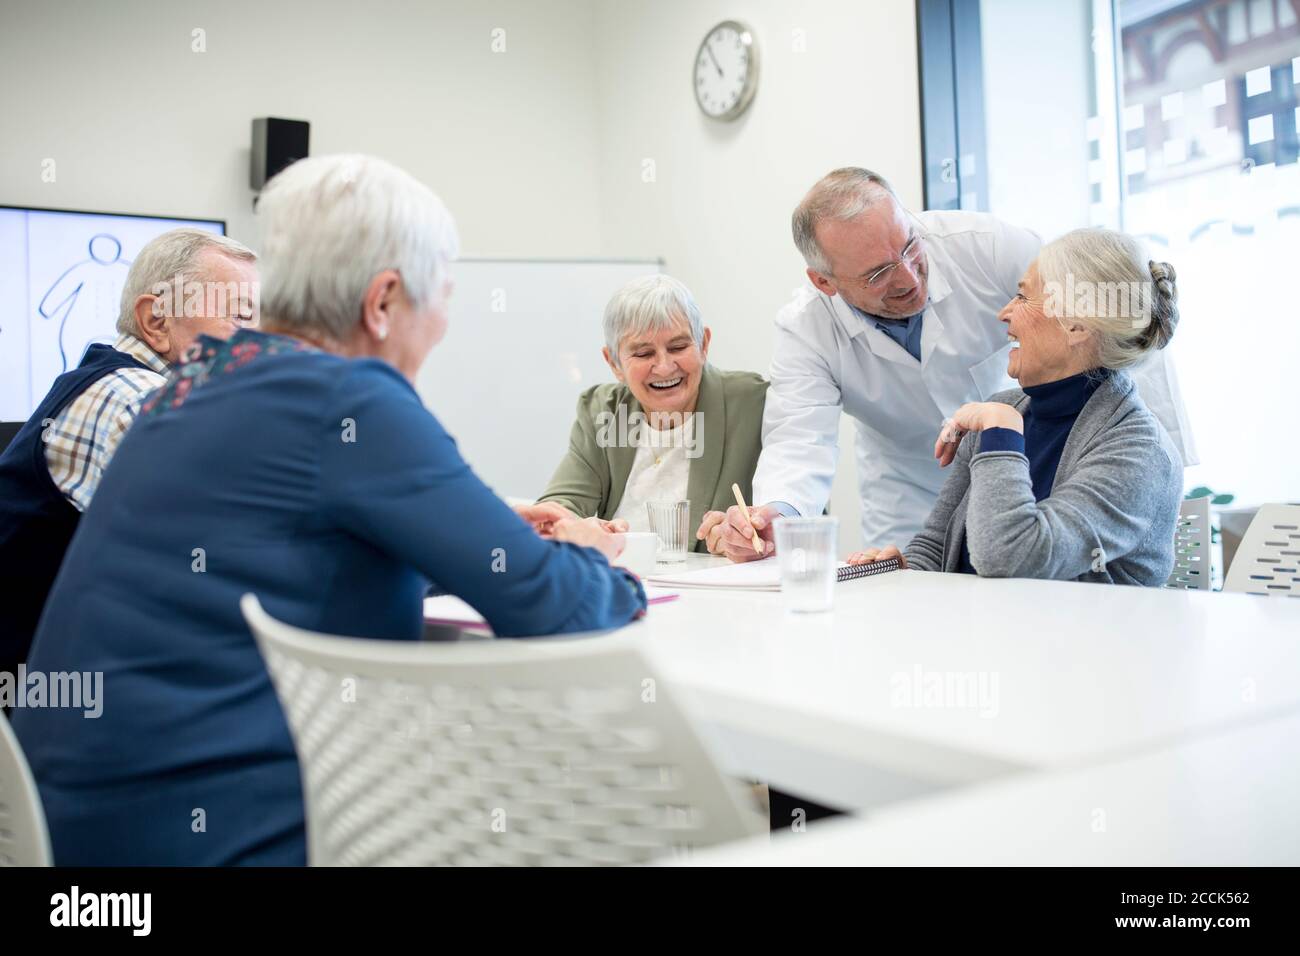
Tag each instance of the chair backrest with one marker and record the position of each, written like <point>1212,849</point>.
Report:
<point>494,752</point>
<point>1268,559</point>
<point>1192,546</point>
<point>24,839</point>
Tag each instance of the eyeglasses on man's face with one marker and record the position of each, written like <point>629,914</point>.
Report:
<point>911,255</point>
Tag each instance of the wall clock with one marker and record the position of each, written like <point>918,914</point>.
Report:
<point>726,71</point>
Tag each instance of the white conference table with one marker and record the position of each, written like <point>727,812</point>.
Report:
<point>1225,799</point>
<point>862,706</point>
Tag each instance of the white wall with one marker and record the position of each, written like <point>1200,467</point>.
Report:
<point>138,122</point>
<point>719,208</point>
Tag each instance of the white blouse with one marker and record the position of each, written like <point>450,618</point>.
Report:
<point>660,472</point>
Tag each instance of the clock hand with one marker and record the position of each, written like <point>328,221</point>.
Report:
<point>709,50</point>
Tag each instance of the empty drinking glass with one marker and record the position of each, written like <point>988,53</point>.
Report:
<point>670,520</point>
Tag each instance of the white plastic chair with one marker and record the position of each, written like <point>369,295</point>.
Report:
<point>499,752</point>
<point>1268,559</point>
<point>1192,546</point>
<point>24,839</point>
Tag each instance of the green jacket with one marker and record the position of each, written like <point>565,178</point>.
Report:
<point>728,429</point>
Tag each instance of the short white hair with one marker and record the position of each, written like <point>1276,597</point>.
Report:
<point>650,303</point>
<point>164,258</point>
<point>1102,260</point>
<point>840,196</point>
<point>330,224</point>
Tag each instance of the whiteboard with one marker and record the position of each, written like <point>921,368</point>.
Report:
<point>524,338</point>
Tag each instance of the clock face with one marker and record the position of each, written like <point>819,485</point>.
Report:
<point>726,71</point>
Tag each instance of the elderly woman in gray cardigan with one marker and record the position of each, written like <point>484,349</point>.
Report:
<point>1070,476</point>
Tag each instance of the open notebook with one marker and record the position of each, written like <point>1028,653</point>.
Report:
<point>756,575</point>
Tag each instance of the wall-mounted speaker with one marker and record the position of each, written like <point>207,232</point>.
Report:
<point>276,144</point>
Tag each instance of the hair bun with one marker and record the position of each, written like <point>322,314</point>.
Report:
<point>1163,274</point>
<point>1164,305</point>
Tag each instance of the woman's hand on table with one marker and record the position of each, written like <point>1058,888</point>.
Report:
<point>543,516</point>
<point>590,533</point>
<point>710,531</point>
<point>877,554</point>
<point>973,417</point>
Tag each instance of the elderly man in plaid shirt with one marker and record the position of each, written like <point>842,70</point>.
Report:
<point>184,283</point>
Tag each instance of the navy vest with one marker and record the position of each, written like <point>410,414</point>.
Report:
<point>36,520</point>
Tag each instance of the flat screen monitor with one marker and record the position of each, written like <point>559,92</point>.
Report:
<point>61,276</point>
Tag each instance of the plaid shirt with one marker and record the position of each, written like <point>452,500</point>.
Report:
<point>86,433</point>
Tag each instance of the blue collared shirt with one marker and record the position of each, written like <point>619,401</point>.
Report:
<point>906,332</point>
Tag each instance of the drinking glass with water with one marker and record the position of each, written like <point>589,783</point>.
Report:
<point>805,551</point>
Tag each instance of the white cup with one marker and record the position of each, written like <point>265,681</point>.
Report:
<point>640,549</point>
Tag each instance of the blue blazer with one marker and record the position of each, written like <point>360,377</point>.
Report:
<point>323,486</point>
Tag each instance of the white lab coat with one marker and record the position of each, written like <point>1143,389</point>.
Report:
<point>826,358</point>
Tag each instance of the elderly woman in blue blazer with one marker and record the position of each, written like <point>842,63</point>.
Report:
<point>296,463</point>
<point>1070,476</point>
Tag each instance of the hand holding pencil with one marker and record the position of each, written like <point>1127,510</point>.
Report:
<point>744,510</point>
<point>741,533</point>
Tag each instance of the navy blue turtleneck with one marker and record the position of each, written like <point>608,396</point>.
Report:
<point>1049,418</point>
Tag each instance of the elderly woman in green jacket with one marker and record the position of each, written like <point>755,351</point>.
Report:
<point>672,427</point>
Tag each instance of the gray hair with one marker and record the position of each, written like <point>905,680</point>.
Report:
<point>164,258</point>
<point>1128,301</point>
<point>841,195</point>
<point>651,302</point>
<point>330,224</point>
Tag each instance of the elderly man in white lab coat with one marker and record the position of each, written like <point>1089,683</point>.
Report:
<point>898,328</point>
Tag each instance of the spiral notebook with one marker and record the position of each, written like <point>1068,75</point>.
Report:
<point>757,575</point>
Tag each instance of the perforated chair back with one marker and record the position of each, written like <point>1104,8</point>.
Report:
<point>1192,546</point>
<point>495,752</point>
<point>24,839</point>
<point>1268,559</point>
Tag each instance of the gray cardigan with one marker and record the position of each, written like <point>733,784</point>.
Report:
<point>1110,516</point>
